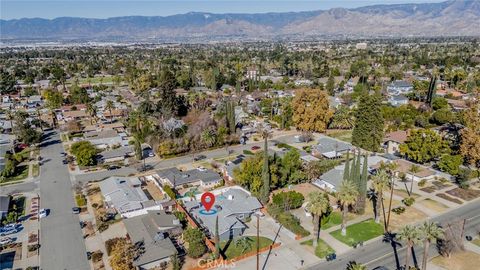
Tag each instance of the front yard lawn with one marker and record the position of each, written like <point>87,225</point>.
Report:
<point>322,250</point>
<point>343,135</point>
<point>242,245</point>
<point>334,219</point>
<point>362,231</point>
<point>21,172</point>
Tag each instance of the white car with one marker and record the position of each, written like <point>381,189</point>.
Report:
<point>43,213</point>
<point>6,241</point>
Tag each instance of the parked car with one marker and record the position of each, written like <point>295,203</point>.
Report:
<point>254,148</point>
<point>65,162</point>
<point>113,167</point>
<point>8,231</point>
<point>199,157</point>
<point>6,241</point>
<point>43,213</point>
<point>76,210</point>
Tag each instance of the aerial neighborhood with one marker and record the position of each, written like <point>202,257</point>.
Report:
<point>315,155</point>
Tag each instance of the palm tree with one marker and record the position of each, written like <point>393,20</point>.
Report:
<point>318,205</point>
<point>379,184</point>
<point>413,169</point>
<point>390,169</point>
<point>265,191</point>
<point>429,232</point>
<point>110,106</point>
<point>92,111</point>
<point>411,235</point>
<point>347,196</point>
<point>353,265</point>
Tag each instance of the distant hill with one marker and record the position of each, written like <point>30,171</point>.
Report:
<point>450,18</point>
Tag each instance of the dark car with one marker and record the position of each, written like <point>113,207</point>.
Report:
<point>76,210</point>
<point>65,162</point>
<point>199,157</point>
<point>113,167</point>
<point>254,148</point>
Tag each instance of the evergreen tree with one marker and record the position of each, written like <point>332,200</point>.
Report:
<point>167,102</point>
<point>265,193</point>
<point>368,131</point>
<point>352,168</point>
<point>230,116</point>
<point>346,171</point>
<point>362,187</point>
<point>217,240</point>
<point>431,90</point>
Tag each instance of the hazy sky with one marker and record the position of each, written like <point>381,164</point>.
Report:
<point>14,9</point>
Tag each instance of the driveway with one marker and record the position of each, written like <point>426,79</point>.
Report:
<point>61,240</point>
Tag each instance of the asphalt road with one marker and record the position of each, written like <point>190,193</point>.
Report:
<point>378,253</point>
<point>18,188</point>
<point>166,163</point>
<point>62,244</point>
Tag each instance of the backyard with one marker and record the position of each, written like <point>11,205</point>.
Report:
<point>359,232</point>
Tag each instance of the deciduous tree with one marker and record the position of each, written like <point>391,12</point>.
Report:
<point>311,110</point>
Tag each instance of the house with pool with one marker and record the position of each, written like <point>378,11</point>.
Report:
<point>233,206</point>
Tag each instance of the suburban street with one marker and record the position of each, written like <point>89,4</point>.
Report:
<point>378,253</point>
<point>61,240</point>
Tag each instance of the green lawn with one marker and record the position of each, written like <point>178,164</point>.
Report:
<point>21,173</point>
<point>235,249</point>
<point>362,231</point>
<point>322,250</point>
<point>35,170</point>
<point>343,135</point>
<point>334,219</point>
<point>80,199</point>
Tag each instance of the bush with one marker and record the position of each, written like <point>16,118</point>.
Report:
<point>170,192</point>
<point>290,199</point>
<point>288,220</point>
<point>110,244</point>
<point>422,183</point>
<point>450,164</point>
<point>463,178</point>
<point>81,200</point>
<point>97,256</point>
<point>408,201</point>
<point>398,210</point>
<point>195,239</point>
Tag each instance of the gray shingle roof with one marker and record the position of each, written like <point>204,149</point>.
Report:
<point>177,177</point>
<point>118,152</point>
<point>229,203</point>
<point>124,193</point>
<point>145,228</point>
<point>326,145</point>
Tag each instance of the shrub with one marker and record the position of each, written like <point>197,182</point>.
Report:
<point>398,210</point>
<point>408,201</point>
<point>32,248</point>
<point>290,199</point>
<point>288,220</point>
<point>97,256</point>
<point>422,183</point>
<point>170,192</point>
<point>195,240</point>
<point>110,244</point>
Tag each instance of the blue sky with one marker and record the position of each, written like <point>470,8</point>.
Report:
<point>14,9</point>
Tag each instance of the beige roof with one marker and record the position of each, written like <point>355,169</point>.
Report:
<point>75,114</point>
<point>399,136</point>
<point>404,166</point>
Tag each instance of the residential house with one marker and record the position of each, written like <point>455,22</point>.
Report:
<point>330,148</point>
<point>106,138</point>
<point>424,173</point>
<point>199,177</point>
<point>125,195</point>
<point>233,206</point>
<point>229,166</point>
<point>117,154</point>
<point>398,100</point>
<point>392,141</point>
<point>399,88</point>
<point>154,230</point>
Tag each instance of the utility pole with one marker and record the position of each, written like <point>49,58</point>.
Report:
<point>258,242</point>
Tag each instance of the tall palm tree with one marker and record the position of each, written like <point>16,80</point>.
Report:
<point>318,205</point>
<point>429,232</point>
<point>92,111</point>
<point>379,184</point>
<point>110,106</point>
<point>390,169</point>
<point>411,236</point>
<point>347,196</point>
<point>413,169</point>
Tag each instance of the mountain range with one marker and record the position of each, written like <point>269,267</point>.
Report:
<point>450,18</point>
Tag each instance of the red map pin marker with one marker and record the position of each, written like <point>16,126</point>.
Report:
<point>208,199</point>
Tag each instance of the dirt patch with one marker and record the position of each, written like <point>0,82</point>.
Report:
<point>402,193</point>
<point>465,260</point>
<point>154,191</point>
<point>429,189</point>
<point>448,198</point>
<point>464,194</point>
<point>434,205</point>
<point>411,215</point>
